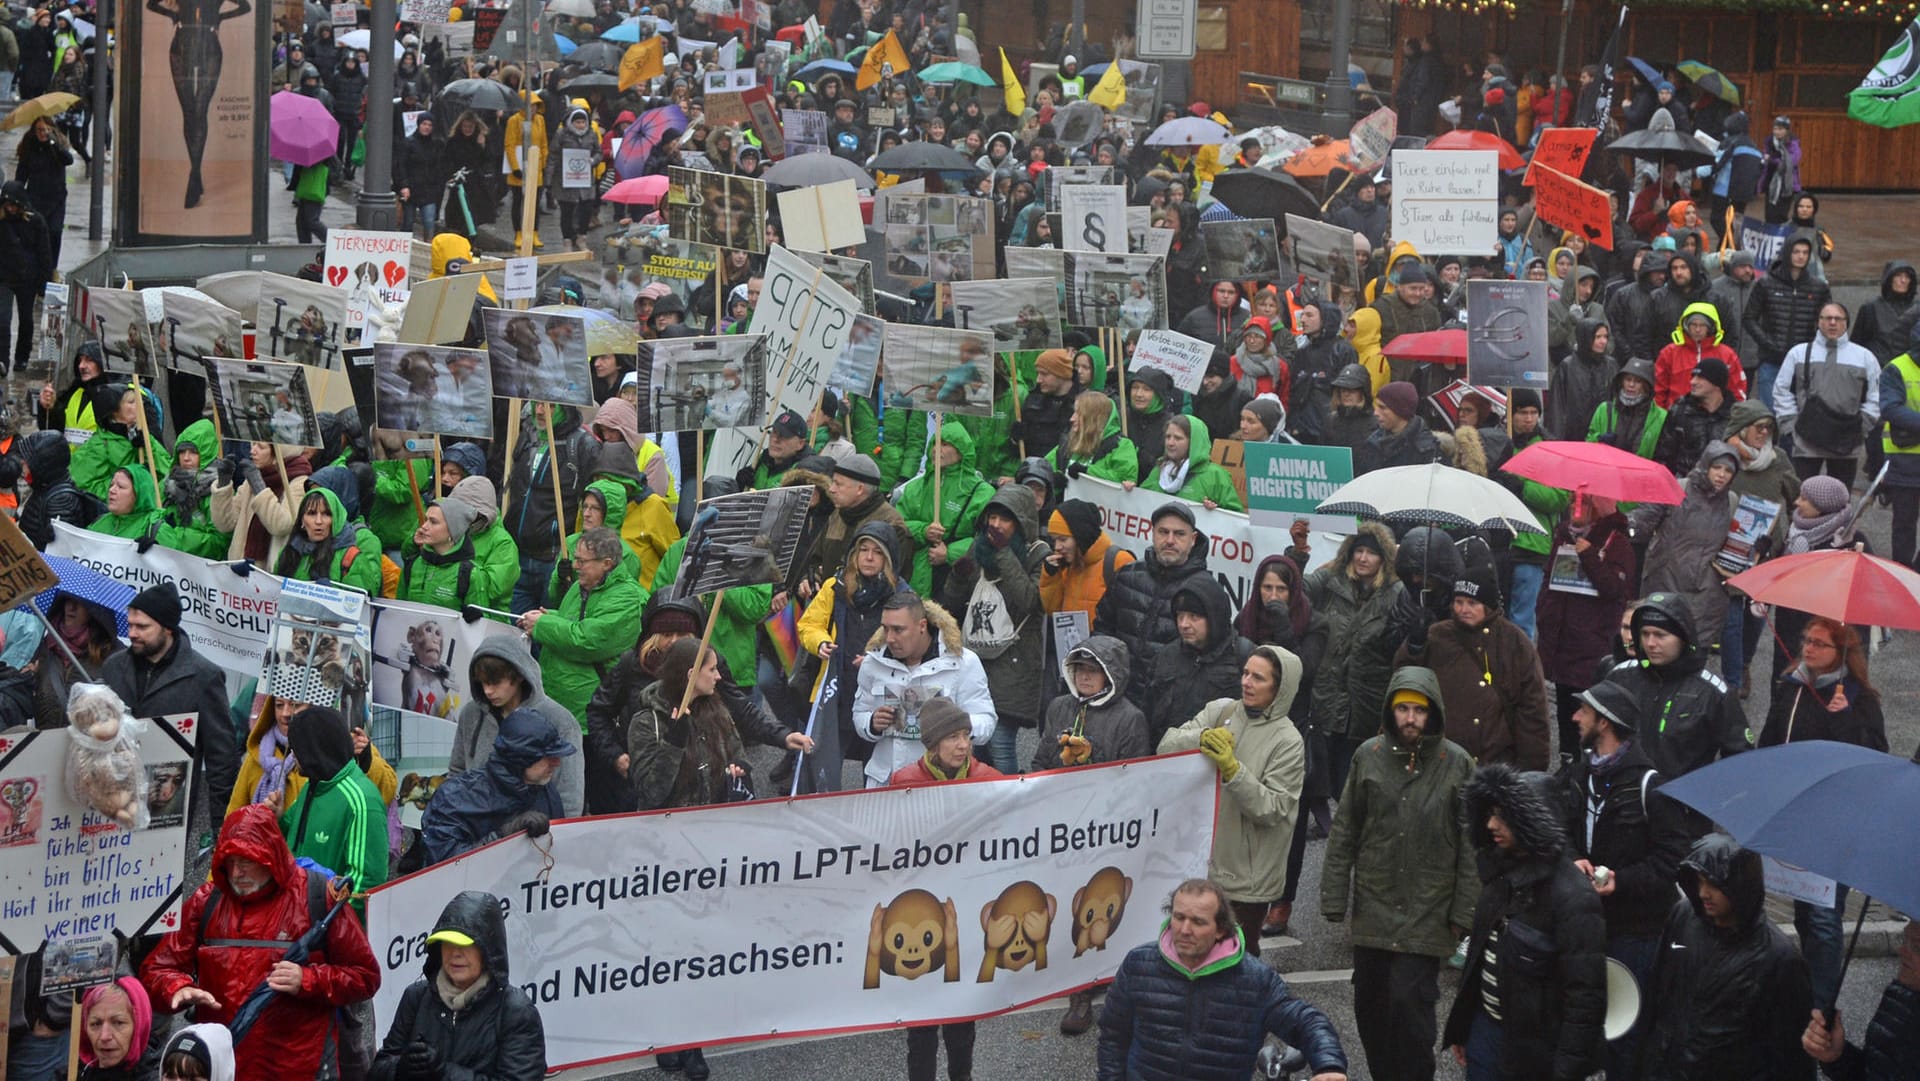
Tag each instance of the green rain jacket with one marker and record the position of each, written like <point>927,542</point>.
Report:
<point>1206,479</point>
<point>963,495</point>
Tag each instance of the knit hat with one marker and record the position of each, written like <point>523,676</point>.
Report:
<point>1523,398</point>
<point>1657,615</point>
<point>1740,258</point>
<point>1409,696</point>
<point>1188,601</point>
<point>1368,541</point>
<point>1177,509</point>
<point>1221,363</point>
<point>1401,398</point>
<point>1078,519</point>
<point>459,515</point>
<point>1828,495</point>
<point>1480,584</point>
<point>1414,274</point>
<point>478,493</point>
<point>1713,370</point>
<point>1269,411</point>
<point>859,467</point>
<point>1055,362</point>
<point>468,457</point>
<point>160,603</point>
<point>790,424</point>
<point>940,718</point>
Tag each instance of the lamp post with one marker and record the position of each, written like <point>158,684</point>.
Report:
<point>376,208</point>
<point>1339,114</point>
<point>103,57</point>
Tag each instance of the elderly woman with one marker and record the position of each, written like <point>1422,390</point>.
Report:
<point>116,1029</point>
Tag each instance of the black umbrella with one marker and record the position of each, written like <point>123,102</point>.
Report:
<point>922,157</point>
<point>1263,193</point>
<point>599,55</point>
<point>595,81</point>
<point>810,170</point>
<point>297,952</point>
<point>1682,150</point>
<point>483,95</point>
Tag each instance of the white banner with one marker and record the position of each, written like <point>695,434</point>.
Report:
<point>782,918</point>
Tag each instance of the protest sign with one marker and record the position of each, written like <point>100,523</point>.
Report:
<point>1507,333</point>
<point>1564,150</point>
<point>55,307</point>
<point>1446,202</point>
<point>728,80</point>
<point>1372,137</point>
<point>943,238</point>
<point>23,574</point>
<point>374,267</point>
<point>486,24</point>
<point>437,311</point>
<point>299,321</point>
<point>939,370</point>
<point>1797,882</point>
<point>522,279</point>
<point>117,319</point>
<point>1764,240</point>
<point>539,356</point>
<point>1183,358</point>
<point>691,384</point>
<point>576,168</point>
<point>1559,199</point>
<point>1055,181</point>
<point>420,657</point>
<point>264,402</point>
<point>822,217</point>
<point>1069,630</point>
<point>718,209</point>
<point>806,130</point>
<point>192,330</point>
<point>745,539</point>
<point>1286,481</point>
<point>1093,217</point>
<point>1022,313</point>
<point>1242,250</point>
<point>726,108</point>
<point>755,920</point>
<point>1322,251</point>
<point>344,15</point>
<point>853,275</point>
<point>805,319</point>
<point>320,648</point>
<point>858,364</point>
<point>1124,291</point>
<point>433,388</point>
<point>70,875</point>
<point>425,11</point>
<point>765,122</point>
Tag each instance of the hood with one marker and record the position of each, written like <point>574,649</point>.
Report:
<point>47,456</point>
<point>1366,331</point>
<point>1388,551</point>
<point>1637,366</point>
<point>478,493</point>
<point>620,415</point>
<point>511,648</point>
<point>524,733</point>
<point>1412,677</point>
<point>1895,266</point>
<point>215,1040</point>
<point>144,499</point>
<point>1333,321</point>
<point>1671,605</point>
<point>1213,600</point>
<point>1030,469</point>
<point>1584,332</point>
<point>1403,249</point>
<point>253,833</point>
<point>1737,871</point>
<point>1099,356</point>
<point>1746,412</point>
<point>956,434</point>
<point>1200,442</point>
<point>142,1009</point>
<point>1017,500</point>
<point>1698,307</point>
<point>1697,285</point>
<point>614,494</point>
<point>883,534</point>
<point>1111,655</point>
<point>1782,269</point>
<point>1427,551</point>
<point>477,916</point>
<point>341,521</point>
<point>1157,381</point>
<point>449,246</point>
<point>1525,802</point>
<point>469,457</point>
<point>1290,674</point>
<point>321,741</point>
<point>1716,449</point>
<point>200,435</point>
<point>339,481</point>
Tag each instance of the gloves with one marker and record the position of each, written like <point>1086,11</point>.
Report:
<point>1280,622</point>
<point>250,473</point>
<point>145,543</point>
<point>1217,745</point>
<point>1076,469</point>
<point>419,1062</point>
<point>243,568</point>
<point>532,822</point>
<point>223,471</point>
<point>1016,431</point>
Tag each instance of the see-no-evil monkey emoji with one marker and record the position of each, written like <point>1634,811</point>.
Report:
<point>911,936</point>
<point>1097,908</point>
<point>1016,924</point>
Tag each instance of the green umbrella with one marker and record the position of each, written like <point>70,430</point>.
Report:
<point>1710,81</point>
<point>954,72</point>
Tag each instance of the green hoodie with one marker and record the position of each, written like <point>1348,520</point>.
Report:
<point>903,446</point>
<point>392,517</point>
<point>344,827</point>
<point>614,494</point>
<point>963,496</point>
<point>1121,465</point>
<point>95,460</point>
<point>1099,356</point>
<point>145,514</point>
<point>1206,479</point>
<point>362,572</point>
<point>198,535</point>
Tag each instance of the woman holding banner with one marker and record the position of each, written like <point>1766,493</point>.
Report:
<point>322,547</point>
<point>120,440</point>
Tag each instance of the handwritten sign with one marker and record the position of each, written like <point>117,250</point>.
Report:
<point>1563,150</point>
<point>523,277</point>
<point>23,574</point>
<point>375,268</point>
<point>1559,199</point>
<point>1183,358</point>
<point>1447,202</point>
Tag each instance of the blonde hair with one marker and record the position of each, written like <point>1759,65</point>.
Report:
<point>1091,411</point>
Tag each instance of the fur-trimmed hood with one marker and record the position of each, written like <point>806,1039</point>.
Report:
<point>1388,549</point>
<point>939,620</point>
<point>1524,801</point>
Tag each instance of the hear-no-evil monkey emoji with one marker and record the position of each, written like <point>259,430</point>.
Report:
<point>1016,923</point>
<point>1097,908</point>
<point>912,936</point>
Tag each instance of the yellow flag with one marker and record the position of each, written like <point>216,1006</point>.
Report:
<point>881,55</point>
<point>1016,94</point>
<point>643,60</point>
<point>1111,93</point>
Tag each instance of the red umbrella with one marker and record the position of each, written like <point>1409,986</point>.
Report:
<point>1596,469</point>
<point>645,190</point>
<point>1480,140</point>
<point>1845,585</point>
<point>1430,346</point>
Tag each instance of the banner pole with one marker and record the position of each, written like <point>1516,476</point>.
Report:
<point>553,470</point>
<point>1119,375</point>
<point>146,436</point>
<point>513,437</point>
<point>938,420</point>
<point>813,718</point>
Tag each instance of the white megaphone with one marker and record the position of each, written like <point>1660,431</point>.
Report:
<point>1623,1000</point>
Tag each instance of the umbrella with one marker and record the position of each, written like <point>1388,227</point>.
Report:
<point>922,157</point>
<point>824,66</point>
<point>363,39</point>
<point>262,996</point>
<point>595,81</point>
<point>1710,81</point>
<point>808,170</point>
<point>643,135</point>
<point>1480,140</point>
<point>645,190</point>
<point>1321,159</point>
<point>46,105</point>
<point>628,32</point>
<point>300,129</point>
<point>1219,211</point>
<point>564,45</point>
<point>605,334</point>
<point>1810,804</point>
<point>1671,146</point>
<point>237,289</point>
<point>599,55</point>
<point>83,583</point>
<point>952,72</point>
<point>1846,585</point>
<point>1188,131</point>
<point>1596,469</point>
<point>1429,347</point>
<point>1651,73</point>
<point>481,95</point>
<point>1431,494</point>
<point>1277,144</point>
<point>1263,193</point>
<point>581,9</point>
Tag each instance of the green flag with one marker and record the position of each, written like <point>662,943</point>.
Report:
<point>1890,94</point>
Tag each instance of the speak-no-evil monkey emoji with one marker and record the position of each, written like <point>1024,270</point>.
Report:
<point>1097,908</point>
<point>913,935</point>
<point>1016,924</point>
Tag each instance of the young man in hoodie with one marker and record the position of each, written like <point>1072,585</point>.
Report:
<point>1782,311</point>
<point>1697,337</point>
<point>1321,353</point>
<point>339,819</point>
<point>503,677</point>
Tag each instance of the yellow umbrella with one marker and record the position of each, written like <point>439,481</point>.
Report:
<point>47,105</point>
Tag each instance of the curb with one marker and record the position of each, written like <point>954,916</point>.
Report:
<point>1878,938</point>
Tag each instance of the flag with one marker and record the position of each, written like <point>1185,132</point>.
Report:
<point>1889,96</point>
<point>783,634</point>
<point>1016,95</point>
<point>643,60</point>
<point>1609,71</point>
<point>1111,92</point>
<point>819,770</point>
<point>884,57</point>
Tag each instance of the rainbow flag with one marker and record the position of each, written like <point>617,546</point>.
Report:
<point>784,633</point>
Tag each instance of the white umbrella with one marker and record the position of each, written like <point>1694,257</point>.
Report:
<point>1277,144</point>
<point>151,297</point>
<point>363,39</point>
<point>582,9</point>
<point>1189,131</point>
<point>1432,494</point>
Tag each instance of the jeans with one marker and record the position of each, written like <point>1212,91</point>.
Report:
<point>17,298</point>
<point>1637,952</point>
<point>1738,639</point>
<point>1002,752</point>
<point>1823,942</point>
<point>1525,595</point>
<point>1763,378</point>
<point>1484,1045</point>
<point>306,222</point>
<point>923,1051</point>
<point>6,86</point>
<point>770,690</point>
<point>427,215</point>
<point>530,591</point>
<point>1394,996</point>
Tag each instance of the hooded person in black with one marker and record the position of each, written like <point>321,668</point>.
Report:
<point>52,494</point>
<point>1730,993</point>
<point>1138,605</point>
<point>1148,425</point>
<point>1878,325</point>
<point>1690,717</point>
<point>1686,284</point>
<point>1323,354</point>
<point>1199,666</point>
<point>1220,398</point>
<point>1630,310</point>
<point>1349,420</point>
<point>1580,380</point>
<point>464,1017</point>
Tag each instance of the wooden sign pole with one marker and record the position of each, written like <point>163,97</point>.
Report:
<point>938,461</point>
<point>1119,374</point>
<point>553,470</point>
<point>146,435</point>
<point>513,437</point>
<point>706,641</point>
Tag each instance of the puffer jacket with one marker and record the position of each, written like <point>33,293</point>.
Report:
<point>478,724</point>
<point>1551,963</point>
<point>1165,1022</point>
<point>1346,690</point>
<point>1637,833</point>
<point>1686,538</point>
<point>497,1033</point>
<point>1892,1046</point>
<point>1260,806</point>
<point>949,669</point>
<point>1397,855</point>
<point>1080,587</point>
<point>1698,720</point>
<point>963,496</point>
<point>469,809</point>
<point>52,495</point>
<point>1491,678</point>
<point>1113,727</point>
<point>1726,1004</point>
<point>1579,382</point>
<point>1137,607</point>
<point>1637,332</point>
<point>1576,631</point>
<point>1182,679</point>
<point>1782,311</point>
<point>1688,430</point>
<point>1412,445</point>
<point>1016,673</point>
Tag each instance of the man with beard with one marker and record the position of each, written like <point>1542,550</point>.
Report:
<point>1048,409</point>
<point>160,674</point>
<point>1137,606</point>
<point>1697,419</point>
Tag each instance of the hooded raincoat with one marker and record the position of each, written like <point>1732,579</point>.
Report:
<point>1113,727</point>
<point>1686,538</point>
<point>1198,478</point>
<point>489,1030</point>
<point>478,724</point>
<point>963,496</point>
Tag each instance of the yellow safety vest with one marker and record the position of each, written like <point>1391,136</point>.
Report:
<point>1909,375</point>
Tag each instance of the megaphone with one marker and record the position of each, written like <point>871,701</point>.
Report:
<point>1623,1000</point>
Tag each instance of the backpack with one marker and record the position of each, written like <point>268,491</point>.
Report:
<point>987,627</point>
<point>390,576</point>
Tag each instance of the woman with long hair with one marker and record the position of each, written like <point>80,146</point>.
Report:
<point>1093,443</point>
<point>322,547</point>
<point>87,631</point>
<point>466,148</point>
<point>1826,694</point>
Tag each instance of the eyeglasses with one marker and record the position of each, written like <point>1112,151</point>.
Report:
<point>1815,643</point>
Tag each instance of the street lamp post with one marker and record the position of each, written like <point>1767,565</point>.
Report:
<point>1339,114</point>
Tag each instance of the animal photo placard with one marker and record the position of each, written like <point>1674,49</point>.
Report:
<point>539,357</point>
<point>1023,313</point>
<point>700,383</point>
<point>1124,291</point>
<point>117,319</point>
<point>720,209</point>
<point>939,370</point>
<point>264,401</point>
<point>433,388</point>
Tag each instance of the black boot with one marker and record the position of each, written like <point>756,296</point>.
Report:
<point>671,1061</point>
<point>696,1064</point>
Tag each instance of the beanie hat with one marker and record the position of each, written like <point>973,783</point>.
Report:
<point>1401,398</point>
<point>1188,601</point>
<point>1413,274</point>
<point>1368,541</point>
<point>1269,411</point>
<point>1523,398</point>
<point>160,603</point>
<point>940,718</point>
<point>1827,494</point>
<point>1055,362</point>
<point>1655,614</point>
<point>1078,519</point>
<point>1221,363</point>
<point>459,515</point>
<point>1409,696</point>
<point>671,618</point>
<point>1741,258</point>
<point>478,493</point>
<point>1479,584</point>
<point>1713,370</point>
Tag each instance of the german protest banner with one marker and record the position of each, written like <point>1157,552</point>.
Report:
<point>1564,150</point>
<point>1559,199</point>
<point>1446,202</point>
<point>779,918</point>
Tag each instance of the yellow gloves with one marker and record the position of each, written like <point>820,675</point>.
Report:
<point>1217,745</point>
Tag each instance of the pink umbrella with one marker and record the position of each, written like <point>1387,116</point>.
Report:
<point>1596,469</point>
<point>645,190</point>
<point>300,129</point>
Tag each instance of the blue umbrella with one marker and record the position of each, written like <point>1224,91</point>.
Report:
<point>1219,211</point>
<point>823,66</point>
<point>1652,73</point>
<point>81,582</point>
<point>565,45</point>
<point>1806,803</point>
<point>628,32</point>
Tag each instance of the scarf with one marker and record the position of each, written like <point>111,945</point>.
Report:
<point>80,641</point>
<point>259,544</point>
<point>274,766</point>
<point>1755,460</point>
<point>1808,534</point>
<point>869,592</point>
<point>1631,400</point>
<point>455,998</point>
<point>938,774</point>
<point>1173,479</point>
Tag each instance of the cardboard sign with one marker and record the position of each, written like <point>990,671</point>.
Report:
<point>1231,455</point>
<point>523,279</point>
<point>1507,333</point>
<point>1559,199</point>
<point>1447,202</point>
<point>23,574</point>
<point>824,217</point>
<point>437,311</point>
<point>1183,358</point>
<point>347,15</point>
<point>1093,217</point>
<point>1564,150</point>
<point>725,108</point>
<point>425,11</point>
<point>1372,137</point>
